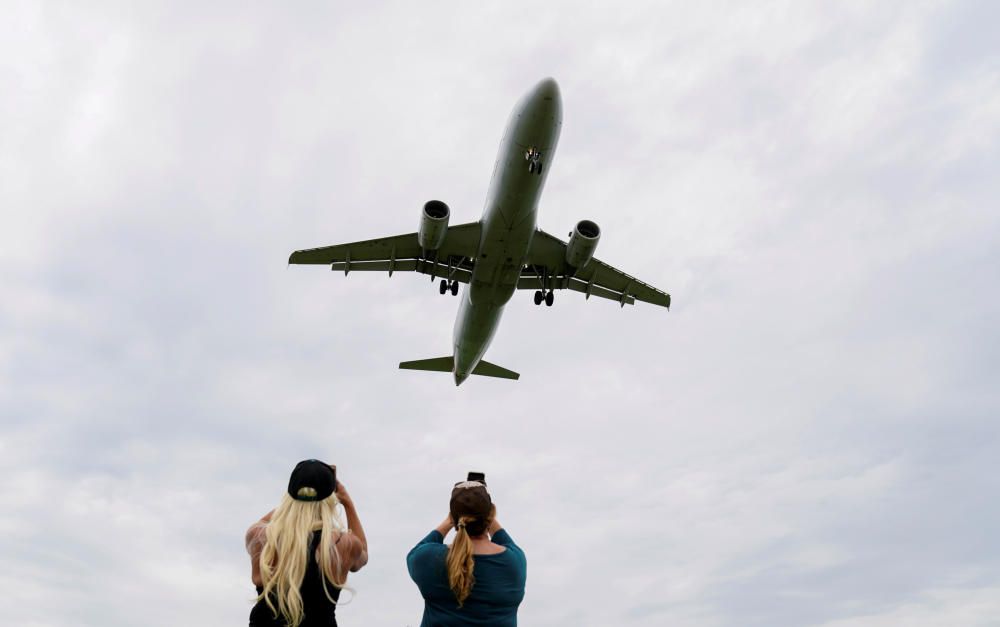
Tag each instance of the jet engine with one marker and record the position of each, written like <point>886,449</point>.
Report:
<point>433,225</point>
<point>582,243</point>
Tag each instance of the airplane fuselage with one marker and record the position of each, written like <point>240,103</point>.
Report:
<point>508,221</point>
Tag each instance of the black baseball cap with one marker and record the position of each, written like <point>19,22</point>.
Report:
<point>312,480</point>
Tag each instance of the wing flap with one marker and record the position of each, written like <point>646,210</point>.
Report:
<point>421,266</point>
<point>576,285</point>
<point>404,265</point>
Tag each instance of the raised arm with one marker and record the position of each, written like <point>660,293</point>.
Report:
<point>494,527</point>
<point>419,560</point>
<point>445,526</point>
<point>499,535</point>
<point>352,546</point>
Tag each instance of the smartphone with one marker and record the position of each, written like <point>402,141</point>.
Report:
<point>477,476</point>
<point>334,469</point>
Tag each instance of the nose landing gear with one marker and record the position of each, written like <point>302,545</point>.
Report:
<point>534,159</point>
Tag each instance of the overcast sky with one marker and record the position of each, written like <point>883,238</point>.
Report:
<point>808,437</point>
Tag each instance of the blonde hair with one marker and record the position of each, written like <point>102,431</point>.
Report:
<point>460,562</point>
<point>285,556</point>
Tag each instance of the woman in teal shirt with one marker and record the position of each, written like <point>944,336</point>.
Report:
<point>479,578</point>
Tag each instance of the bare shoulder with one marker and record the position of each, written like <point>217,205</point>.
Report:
<point>255,537</point>
<point>351,548</point>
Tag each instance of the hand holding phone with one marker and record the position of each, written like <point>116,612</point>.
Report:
<point>333,467</point>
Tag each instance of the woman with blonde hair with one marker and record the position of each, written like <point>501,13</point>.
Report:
<point>479,578</point>
<point>301,551</point>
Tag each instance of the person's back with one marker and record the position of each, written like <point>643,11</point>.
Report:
<point>319,597</point>
<point>477,580</point>
<point>495,596</point>
<point>301,552</point>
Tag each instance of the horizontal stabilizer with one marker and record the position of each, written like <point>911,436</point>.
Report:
<point>437,364</point>
<point>447,364</point>
<point>486,369</point>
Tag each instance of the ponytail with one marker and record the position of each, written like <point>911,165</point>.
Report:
<point>460,562</point>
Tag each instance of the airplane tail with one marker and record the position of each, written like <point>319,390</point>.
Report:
<point>447,364</point>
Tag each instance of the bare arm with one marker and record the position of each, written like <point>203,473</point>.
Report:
<point>254,542</point>
<point>353,547</point>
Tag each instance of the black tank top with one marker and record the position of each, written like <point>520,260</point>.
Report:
<point>319,612</point>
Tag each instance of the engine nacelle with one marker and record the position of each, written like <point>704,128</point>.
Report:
<point>433,225</point>
<point>582,243</point>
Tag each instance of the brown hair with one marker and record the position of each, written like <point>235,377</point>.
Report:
<point>472,512</point>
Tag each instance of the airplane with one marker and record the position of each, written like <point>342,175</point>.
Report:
<point>502,252</point>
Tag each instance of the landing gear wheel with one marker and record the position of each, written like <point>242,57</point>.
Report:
<point>454,288</point>
<point>531,166</point>
<point>538,297</point>
<point>549,299</point>
<point>443,287</point>
<point>539,168</point>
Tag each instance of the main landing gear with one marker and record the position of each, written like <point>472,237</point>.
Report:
<point>447,286</point>
<point>546,296</point>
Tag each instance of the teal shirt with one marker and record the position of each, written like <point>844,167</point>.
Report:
<point>496,593</point>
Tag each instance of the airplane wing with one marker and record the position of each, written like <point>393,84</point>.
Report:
<point>547,268</point>
<point>453,260</point>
